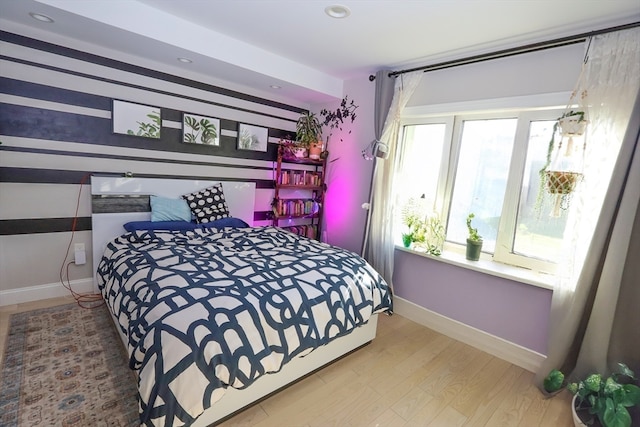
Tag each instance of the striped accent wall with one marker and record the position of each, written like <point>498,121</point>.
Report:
<point>56,130</point>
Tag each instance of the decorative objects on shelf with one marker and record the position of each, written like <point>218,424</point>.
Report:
<point>474,241</point>
<point>309,130</point>
<point>301,182</point>
<point>309,134</point>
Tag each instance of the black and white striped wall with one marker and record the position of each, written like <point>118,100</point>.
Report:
<point>56,130</point>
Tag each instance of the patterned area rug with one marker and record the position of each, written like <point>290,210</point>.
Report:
<point>66,366</point>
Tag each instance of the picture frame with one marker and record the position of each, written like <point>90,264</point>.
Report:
<point>136,119</point>
<point>200,130</point>
<point>251,137</point>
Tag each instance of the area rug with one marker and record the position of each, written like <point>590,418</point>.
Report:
<point>66,366</point>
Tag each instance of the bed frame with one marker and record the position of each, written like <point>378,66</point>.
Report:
<point>116,201</point>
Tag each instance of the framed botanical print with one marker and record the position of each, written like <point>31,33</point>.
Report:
<point>136,119</point>
<point>252,137</point>
<point>200,130</point>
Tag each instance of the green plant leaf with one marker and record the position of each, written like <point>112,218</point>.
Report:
<point>615,416</point>
<point>631,395</point>
<point>610,386</point>
<point>624,370</point>
<point>553,382</point>
<point>593,382</point>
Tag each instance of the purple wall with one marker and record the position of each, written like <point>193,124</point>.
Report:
<point>514,311</point>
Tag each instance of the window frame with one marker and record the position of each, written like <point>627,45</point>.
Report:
<point>450,155</point>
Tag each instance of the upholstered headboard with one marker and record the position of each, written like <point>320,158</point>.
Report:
<point>116,201</point>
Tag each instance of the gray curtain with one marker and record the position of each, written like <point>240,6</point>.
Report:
<point>383,98</point>
<point>608,291</point>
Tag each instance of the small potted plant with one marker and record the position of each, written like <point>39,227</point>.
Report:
<point>474,241</point>
<point>309,133</point>
<point>596,399</point>
<point>424,233</point>
<point>414,232</point>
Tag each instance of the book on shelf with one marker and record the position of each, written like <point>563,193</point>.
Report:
<point>306,178</point>
<point>296,207</point>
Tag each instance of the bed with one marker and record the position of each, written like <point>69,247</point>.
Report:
<point>214,317</point>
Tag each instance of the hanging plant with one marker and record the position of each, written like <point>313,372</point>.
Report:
<point>559,176</point>
<point>572,124</point>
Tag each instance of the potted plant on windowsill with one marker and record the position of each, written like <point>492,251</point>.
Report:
<point>598,400</point>
<point>423,233</point>
<point>474,241</point>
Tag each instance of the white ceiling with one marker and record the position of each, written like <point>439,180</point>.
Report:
<point>295,45</point>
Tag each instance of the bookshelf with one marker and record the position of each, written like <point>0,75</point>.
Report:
<point>298,202</point>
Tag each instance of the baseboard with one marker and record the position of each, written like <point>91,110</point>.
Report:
<point>39,292</point>
<point>496,346</point>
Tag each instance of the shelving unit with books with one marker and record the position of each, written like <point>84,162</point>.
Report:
<point>298,202</point>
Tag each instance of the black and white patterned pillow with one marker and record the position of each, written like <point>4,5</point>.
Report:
<point>208,205</point>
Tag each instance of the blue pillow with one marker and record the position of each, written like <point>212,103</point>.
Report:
<point>225,222</point>
<point>160,225</point>
<point>164,209</point>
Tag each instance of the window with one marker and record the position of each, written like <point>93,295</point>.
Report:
<point>487,164</point>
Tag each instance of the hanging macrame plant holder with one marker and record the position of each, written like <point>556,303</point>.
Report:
<point>566,152</point>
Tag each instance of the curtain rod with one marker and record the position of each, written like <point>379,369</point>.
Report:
<point>534,47</point>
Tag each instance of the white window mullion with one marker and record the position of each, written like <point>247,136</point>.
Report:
<point>508,218</point>
<point>443,196</point>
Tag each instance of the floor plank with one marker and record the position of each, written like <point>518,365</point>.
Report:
<point>409,376</point>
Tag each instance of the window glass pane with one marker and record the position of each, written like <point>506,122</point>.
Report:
<point>421,162</point>
<point>422,158</point>
<point>481,179</point>
<point>539,231</point>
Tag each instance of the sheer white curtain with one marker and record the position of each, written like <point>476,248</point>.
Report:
<point>611,78</point>
<point>380,249</point>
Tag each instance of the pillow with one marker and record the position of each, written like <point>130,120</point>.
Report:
<point>160,225</point>
<point>208,205</point>
<point>164,209</point>
<point>226,222</point>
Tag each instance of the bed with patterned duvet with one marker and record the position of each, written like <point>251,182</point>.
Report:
<point>207,309</point>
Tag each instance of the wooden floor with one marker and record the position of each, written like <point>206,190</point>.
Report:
<point>408,376</point>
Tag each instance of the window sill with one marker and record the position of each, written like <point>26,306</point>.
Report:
<point>488,266</point>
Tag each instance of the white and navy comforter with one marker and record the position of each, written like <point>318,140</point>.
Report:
<point>209,309</point>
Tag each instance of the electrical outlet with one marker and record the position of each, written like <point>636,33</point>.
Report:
<point>80,257</point>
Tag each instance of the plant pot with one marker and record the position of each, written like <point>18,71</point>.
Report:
<point>577,422</point>
<point>406,240</point>
<point>572,125</point>
<point>474,247</point>
<point>559,182</point>
<point>315,149</point>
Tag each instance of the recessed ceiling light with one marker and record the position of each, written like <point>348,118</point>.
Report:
<point>337,11</point>
<point>40,17</point>
<point>185,60</point>
<point>275,87</point>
